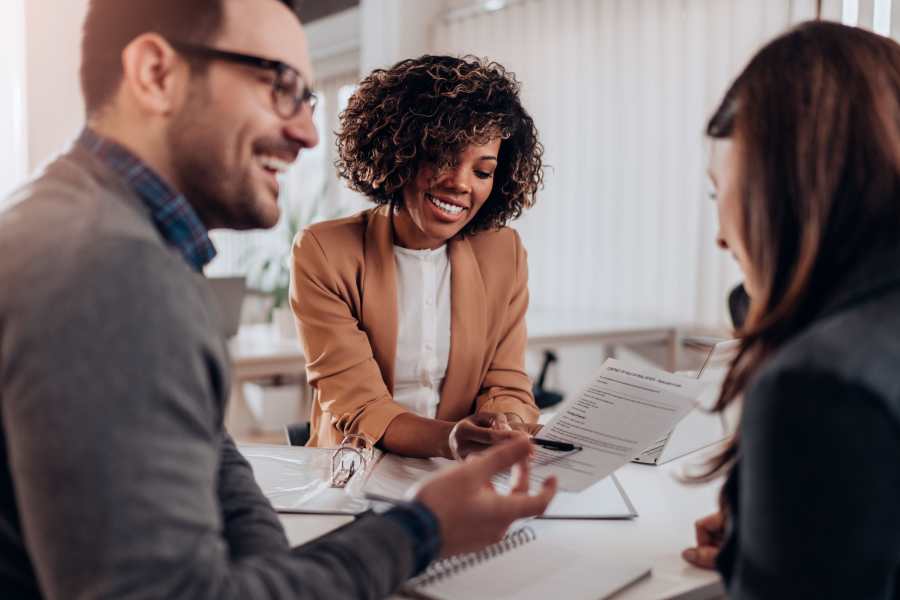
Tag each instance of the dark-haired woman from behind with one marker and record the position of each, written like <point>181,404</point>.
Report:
<point>412,313</point>
<point>806,161</point>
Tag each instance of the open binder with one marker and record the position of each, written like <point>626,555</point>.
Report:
<point>302,480</point>
<point>314,480</point>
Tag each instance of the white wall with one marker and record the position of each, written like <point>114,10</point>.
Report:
<point>13,144</point>
<point>396,29</point>
<point>334,44</point>
<point>620,91</point>
<point>55,107</point>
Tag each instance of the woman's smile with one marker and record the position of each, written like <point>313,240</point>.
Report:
<point>445,209</point>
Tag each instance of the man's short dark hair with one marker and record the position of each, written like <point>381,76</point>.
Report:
<point>112,24</point>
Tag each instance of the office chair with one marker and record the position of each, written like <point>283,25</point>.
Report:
<point>297,433</point>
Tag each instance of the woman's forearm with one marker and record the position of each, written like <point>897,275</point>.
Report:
<point>412,435</point>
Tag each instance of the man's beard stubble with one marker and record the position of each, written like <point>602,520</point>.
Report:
<point>222,196</point>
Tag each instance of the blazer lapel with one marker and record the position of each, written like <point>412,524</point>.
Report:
<point>468,331</point>
<point>379,292</point>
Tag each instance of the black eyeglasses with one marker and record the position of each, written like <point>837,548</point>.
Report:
<point>289,91</point>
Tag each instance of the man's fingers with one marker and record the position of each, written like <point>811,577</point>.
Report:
<point>521,483</point>
<point>523,505</point>
<point>701,556</point>
<point>500,458</point>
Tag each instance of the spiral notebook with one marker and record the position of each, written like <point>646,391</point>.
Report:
<point>533,562</point>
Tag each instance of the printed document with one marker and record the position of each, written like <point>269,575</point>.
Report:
<point>621,413</point>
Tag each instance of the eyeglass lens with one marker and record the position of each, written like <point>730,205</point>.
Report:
<point>290,93</point>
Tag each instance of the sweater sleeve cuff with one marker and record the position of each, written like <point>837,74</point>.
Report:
<point>423,527</point>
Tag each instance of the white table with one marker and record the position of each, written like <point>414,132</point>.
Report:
<point>261,351</point>
<point>667,510</point>
<point>553,328</point>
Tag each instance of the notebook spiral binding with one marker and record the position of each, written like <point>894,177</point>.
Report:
<point>447,567</point>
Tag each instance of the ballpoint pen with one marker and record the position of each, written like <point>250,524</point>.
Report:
<point>554,445</point>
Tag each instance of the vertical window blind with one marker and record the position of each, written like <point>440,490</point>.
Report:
<point>620,91</point>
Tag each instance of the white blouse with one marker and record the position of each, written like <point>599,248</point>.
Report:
<point>423,332</point>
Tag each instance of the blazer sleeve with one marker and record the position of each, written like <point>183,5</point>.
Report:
<point>819,491</point>
<point>506,387</point>
<point>340,362</point>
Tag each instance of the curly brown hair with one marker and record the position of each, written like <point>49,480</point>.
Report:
<point>428,110</point>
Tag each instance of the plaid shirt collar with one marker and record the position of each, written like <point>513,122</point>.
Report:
<point>174,217</point>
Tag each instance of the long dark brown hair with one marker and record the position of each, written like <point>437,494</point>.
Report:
<point>815,124</point>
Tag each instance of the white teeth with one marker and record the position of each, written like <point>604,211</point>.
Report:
<point>447,208</point>
<point>275,164</point>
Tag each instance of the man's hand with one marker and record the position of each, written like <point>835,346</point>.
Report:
<point>470,511</point>
<point>710,535</point>
<point>479,432</point>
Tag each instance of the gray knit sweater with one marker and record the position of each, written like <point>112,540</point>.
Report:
<point>117,478</point>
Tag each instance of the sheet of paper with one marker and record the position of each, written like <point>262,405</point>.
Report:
<point>621,413</point>
<point>394,476</point>
<point>714,370</point>
<point>606,499</point>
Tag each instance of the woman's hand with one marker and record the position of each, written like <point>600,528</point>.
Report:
<point>512,421</point>
<point>710,535</point>
<point>481,431</point>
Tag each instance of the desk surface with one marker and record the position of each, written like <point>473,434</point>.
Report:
<point>261,351</point>
<point>263,341</point>
<point>258,352</point>
<point>667,510</point>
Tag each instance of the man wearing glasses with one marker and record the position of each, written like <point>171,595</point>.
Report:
<point>117,477</point>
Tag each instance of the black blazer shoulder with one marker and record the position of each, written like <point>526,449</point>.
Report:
<point>814,493</point>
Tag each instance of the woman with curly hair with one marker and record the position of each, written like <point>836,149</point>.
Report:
<point>412,313</point>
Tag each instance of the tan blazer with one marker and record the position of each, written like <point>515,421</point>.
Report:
<point>344,297</point>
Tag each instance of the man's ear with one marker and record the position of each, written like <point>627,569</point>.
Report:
<point>154,74</point>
